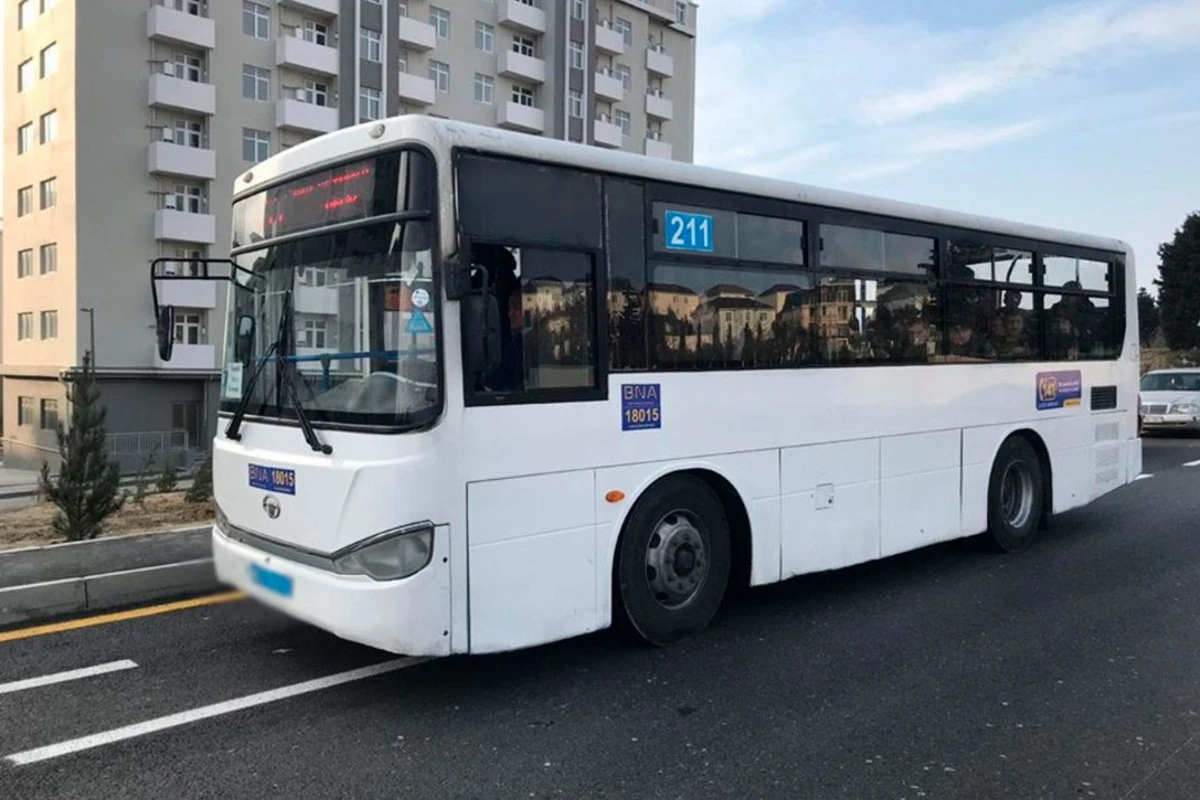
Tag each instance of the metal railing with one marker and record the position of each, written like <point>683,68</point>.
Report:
<point>128,444</point>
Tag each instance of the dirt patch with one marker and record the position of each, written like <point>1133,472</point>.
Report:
<point>31,525</point>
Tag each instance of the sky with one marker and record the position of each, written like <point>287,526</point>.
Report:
<point>1076,115</point>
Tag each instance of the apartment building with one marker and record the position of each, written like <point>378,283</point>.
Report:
<point>122,146</point>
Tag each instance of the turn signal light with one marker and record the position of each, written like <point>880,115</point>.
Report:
<point>615,496</point>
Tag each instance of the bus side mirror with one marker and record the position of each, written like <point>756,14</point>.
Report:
<point>481,332</point>
<point>165,331</point>
<point>243,341</point>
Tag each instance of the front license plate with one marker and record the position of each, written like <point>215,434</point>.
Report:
<point>272,479</point>
<point>1153,419</point>
<point>271,580</point>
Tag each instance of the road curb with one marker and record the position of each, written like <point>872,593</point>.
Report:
<point>40,601</point>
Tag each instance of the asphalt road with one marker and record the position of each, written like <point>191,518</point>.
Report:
<point>1072,670</point>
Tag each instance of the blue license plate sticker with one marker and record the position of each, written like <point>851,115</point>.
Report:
<point>641,406</point>
<point>270,580</point>
<point>273,479</point>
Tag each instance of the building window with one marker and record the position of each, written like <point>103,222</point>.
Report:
<point>185,132</point>
<point>371,45</point>
<point>24,410</point>
<point>48,258</point>
<point>48,127</point>
<point>524,45</point>
<point>316,32</point>
<point>24,14</point>
<point>625,28</point>
<point>575,51</point>
<point>314,334</point>
<point>577,8</point>
<point>187,67</point>
<point>188,328</point>
<point>315,92</point>
<point>256,145</point>
<point>24,201</point>
<point>485,37</point>
<point>186,264</point>
<point>439,73</point>
<point>576,104</point>
<point>25,75</point>
<point>485,88</point>
<point>314,276</point>
<point>523,96</point>
<point>256,20</point>
<point>439,18</point>
<point>681,12</point>
<point>186,198</point>
<point>625,122</point>
<point>48,61</point>
<point>24,263</point>
<point>24,138</point>
<point>48,193</point>
<point>368,104</point>
<point>49,415</point>
<point>256,83</point>
<point>625,75</point>
<point>49,324</point>
<point>25,325</point>
<point>47,5</point>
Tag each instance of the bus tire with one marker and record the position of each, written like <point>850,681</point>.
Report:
<point>673,561</point>
<point>1016,496</point>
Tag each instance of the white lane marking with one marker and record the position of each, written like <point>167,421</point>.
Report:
<point>70,675</point>
<point>205,712</point>
<point>1192,464</point>
<point>1144,475</point>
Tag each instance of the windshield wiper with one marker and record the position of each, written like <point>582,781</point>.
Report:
<point>284,380</point>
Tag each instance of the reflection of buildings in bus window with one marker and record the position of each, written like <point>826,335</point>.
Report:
<point>673,308</point>
<point>556,318</point>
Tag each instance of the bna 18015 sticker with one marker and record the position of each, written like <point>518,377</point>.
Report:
<point>641,406</point>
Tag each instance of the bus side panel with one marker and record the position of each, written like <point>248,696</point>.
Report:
<point>830,506</point>
<point>532,551</point>
<point>919,490</point>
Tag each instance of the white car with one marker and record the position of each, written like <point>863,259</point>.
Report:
<point>1170,400</point>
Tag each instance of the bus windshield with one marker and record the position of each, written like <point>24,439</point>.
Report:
<point>349,315</point>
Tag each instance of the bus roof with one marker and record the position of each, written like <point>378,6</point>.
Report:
<point>446,135</point>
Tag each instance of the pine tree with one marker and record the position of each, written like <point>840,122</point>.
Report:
<point>201,488</point>
<point>168,479</point>
<point>1179,286</point>
<point>87,487</point>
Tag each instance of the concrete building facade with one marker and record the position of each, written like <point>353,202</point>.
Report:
<point>122,146</point>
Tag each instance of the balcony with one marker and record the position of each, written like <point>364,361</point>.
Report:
<point>657,148</point>
<point>296,115</point>
<point>661,64</point>
<point>609,41</point>
<point>609,88</point>
<point>659,106</point>
<point>298,54</point>
<point>180,226</point>
<point>416,35</point>
<point>189,356</point>
<point>522,67</point>
<point>167,91</point>
<point>608,134</point>
<point>415,89</point>
<point>520,16</point>
<point>328,8</point>
<point>517,117</point>
<point>187,293</point>
<point>179,27</point>
<point>168,158</point>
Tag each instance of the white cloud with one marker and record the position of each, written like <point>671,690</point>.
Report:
<point>870,171</point>
<point>969,139</point>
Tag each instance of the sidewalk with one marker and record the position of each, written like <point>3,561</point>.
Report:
<point>39,583</point>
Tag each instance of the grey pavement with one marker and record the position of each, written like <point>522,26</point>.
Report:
<point>1069,671</point>
<point>71,560</point>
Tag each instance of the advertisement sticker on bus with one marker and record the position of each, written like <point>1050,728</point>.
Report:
<point>1062,389</point>
<point>641,406</point>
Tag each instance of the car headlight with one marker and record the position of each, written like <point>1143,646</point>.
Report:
<point>388,556</point>
<point>1185,408</point>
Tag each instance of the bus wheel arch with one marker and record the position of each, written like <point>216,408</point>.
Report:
<point>1020,491</point>
<point>697,510</point>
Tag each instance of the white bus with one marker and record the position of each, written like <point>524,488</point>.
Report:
<point>482,390</point>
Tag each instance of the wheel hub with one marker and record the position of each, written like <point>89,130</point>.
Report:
<point>676,560</point>
<point>1016,494</point>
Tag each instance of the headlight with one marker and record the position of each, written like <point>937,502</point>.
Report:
<point>1185,408</point>
<point>388,556</point>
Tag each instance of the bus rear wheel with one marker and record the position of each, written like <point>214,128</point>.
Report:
<point>1016,496</point>
<point>673,560</point>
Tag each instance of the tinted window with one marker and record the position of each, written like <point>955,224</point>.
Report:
<point>770,239</point>
<point>972,262</point>
<point>1076,273</point>
<point>626,227</point>
<point>1081,327</point>
<point>990,324</point>
<point>868,321</point>
<point>864,249</point>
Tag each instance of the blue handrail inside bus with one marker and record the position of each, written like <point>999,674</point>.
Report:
<point>327,358</point>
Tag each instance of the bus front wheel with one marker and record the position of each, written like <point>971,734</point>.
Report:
<point>673,560</point>
<point>1016,495</point>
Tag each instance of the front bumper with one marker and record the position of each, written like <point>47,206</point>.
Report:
<point>410,616</point>
<point>1170,422</point>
